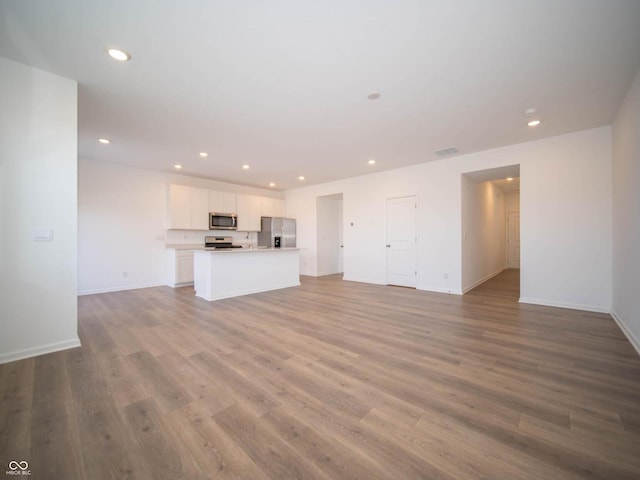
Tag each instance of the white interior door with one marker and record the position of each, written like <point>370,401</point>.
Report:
<point>513,240</point>
<point>340,240</point>
<point>401,241</point>
<point>329,208</point>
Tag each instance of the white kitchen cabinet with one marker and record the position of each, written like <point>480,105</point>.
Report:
<point>178,209</point>
<point>215,201</point>
<point>249,211</point>
<point>279,208</point>
<point>272,207</point>
<point>229,202</point>
<point>199,209</point>
<point>188,208</point>
<point>266,207</point>
<point>179,265</point>
<point>222,202</point>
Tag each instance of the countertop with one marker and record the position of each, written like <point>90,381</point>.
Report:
<point>246,250</point>
<point>200,247</point>
<point>184,246</point>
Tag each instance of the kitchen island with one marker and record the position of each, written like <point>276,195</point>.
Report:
<point>230,273</point>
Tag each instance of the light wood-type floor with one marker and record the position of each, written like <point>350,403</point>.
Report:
<point>330,380</point>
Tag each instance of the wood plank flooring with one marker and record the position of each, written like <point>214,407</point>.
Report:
<point>329,380</point>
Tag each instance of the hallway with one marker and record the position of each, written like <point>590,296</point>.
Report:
<point>505,285</point>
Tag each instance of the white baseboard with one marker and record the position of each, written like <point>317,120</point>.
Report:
<point>440,290</point>
<point>119,289</point>
<point>483,279</point>
<point>572,306</point>
<point>41,350</point>
<point>626,330</point>
<point>360,280</point>
<point>324,274</point>
<point>178,285</point>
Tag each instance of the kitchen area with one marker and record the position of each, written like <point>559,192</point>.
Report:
<point>227,244</point>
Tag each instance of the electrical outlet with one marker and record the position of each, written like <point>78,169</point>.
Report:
<point>446,276</point>
<point>125,274</point>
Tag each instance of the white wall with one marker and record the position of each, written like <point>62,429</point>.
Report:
<point>565,219</point>
<point>565,222</point>
<point>38,157</point>
<point>626,215</point>
<point>121,224</point>
<point>483,232</point>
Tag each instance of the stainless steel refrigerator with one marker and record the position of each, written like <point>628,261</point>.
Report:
<point>272,227</point>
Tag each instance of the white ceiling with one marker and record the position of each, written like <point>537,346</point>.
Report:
<point>283,85</point>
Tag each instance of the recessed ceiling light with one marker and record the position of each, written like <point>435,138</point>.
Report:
<point>177,166</point>
<point>119,55</point>
<point>301,177</point>
<point>104,140</point>
<point>204,154</point>
<point>509,179</point>
<point>246,167</point>
<point>271,184</point>
<point>533,123</point>
<point>373,96</point>
<point>371,162</point>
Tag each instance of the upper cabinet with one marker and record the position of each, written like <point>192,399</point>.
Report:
<point>249,210</point>
<point>222,202</point>
<point>266,207</point>
<point>188,208</point>
<point>272,207</point>
<point>178,208</point>
<point>199,209</point>
<point>279,208</point>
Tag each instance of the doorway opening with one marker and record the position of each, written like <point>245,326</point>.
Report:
<point>490,219</point>
<point>330,231</point>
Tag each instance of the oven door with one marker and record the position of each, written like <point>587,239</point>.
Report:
<point>223,221</point>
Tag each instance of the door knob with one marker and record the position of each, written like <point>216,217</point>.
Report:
<point>388,246</point>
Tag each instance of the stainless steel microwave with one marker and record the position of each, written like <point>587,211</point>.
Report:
<point>223,221</point>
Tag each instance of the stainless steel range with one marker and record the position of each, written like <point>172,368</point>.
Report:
<point>219,243</point>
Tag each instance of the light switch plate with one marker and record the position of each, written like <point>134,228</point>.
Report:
<point>43,235</point>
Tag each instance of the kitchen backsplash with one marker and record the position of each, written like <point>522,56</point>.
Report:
<point>197,237</point>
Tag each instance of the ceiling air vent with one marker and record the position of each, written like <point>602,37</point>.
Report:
<point>446,151</point>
